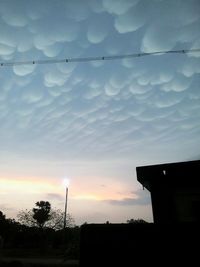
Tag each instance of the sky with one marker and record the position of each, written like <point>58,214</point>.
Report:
<point>95,122</point>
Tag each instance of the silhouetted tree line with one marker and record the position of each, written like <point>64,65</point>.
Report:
<point>40,230</point>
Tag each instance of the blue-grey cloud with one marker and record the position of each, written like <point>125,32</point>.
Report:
<point>118,7</point>
<point>108,108</point>
<point>131,21</point>
<point>97,32</point>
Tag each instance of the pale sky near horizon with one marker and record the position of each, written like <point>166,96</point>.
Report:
<point>94,122</point>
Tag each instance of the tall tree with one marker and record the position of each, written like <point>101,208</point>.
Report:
<point>43,216</point>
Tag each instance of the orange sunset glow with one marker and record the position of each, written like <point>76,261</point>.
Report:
<point>26,186</point>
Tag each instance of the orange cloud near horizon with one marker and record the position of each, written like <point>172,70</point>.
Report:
<point>77,190</point>
<point>26,185</point>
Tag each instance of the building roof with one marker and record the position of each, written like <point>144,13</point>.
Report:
<point>178,173</point>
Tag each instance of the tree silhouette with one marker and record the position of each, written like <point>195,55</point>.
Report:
<point>41,214</point>
<point>136,221</point>
<point>2,216</point>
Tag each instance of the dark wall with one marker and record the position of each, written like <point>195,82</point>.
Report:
<point>138,244</point>
<point>175,190</point>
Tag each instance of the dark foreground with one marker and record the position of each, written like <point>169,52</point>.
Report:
<point>37,262</point>
<point>140,245</point>
<point>124,245</point>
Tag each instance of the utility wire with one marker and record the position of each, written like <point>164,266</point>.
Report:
<point>98,58</point>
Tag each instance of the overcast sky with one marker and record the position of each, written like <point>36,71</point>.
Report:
<point>94,122</point>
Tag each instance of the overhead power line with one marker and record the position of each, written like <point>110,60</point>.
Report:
<point>97,58</point>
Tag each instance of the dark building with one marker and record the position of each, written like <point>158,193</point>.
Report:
<point>172,239</point>
<point>175,190</point>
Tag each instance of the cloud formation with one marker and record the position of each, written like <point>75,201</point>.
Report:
<point>102,108</point>
<point>101,117</point>
<point>142,198</point>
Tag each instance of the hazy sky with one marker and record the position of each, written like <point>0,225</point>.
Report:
<point>94,122</point>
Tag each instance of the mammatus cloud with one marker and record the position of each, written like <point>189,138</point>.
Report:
<point>77,10</point>
<point>97,32</point>
<point>119,103</point>
<point>178,84</point>
<point>130,21</point>
<point>24,70</point>
<point>118,7</point>
<point>159,38</point>
<point>143,109</point>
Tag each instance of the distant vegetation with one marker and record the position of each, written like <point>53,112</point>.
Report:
<point>39,233</point>
<point>137,221</point>
<point>43,216</point>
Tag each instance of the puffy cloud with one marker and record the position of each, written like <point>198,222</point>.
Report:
<point>179,24</point>
<point>32,94</point>
<point>41,41</point>
<point>54,78</point>
<point>7,37</point>
<point>135,109</point>
<point>77,10</point>
<point>25,44</point>
<point>150,78</point>
<point>121,117</point>
<point>13,15</point>
<point>190,67</point>
<point>139,89</point>
<point>16,20</point>
<point>96,6</point>
<point>68,33</point>
<point>168,99</point>
<point>121,105</point>
<point>6,49</point>
<point>151,114</point>
<point>178,84</point>
<point>66,68</point>
<point>159,38</point>
<point>118,7</point>
<point>188,12</point>
<point>130,21</point>
<point>50,34</point>
<point>23,70</point>
<point>194,92</point>
<point>53,50</point>
<point>97,32</point>
<point>92,92</point>
<point>45,101</point>
<point>55,91</point>
<point>97,64</point>
<point>112,91</point>
<point>128,63</point>
<point>121,79</point>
